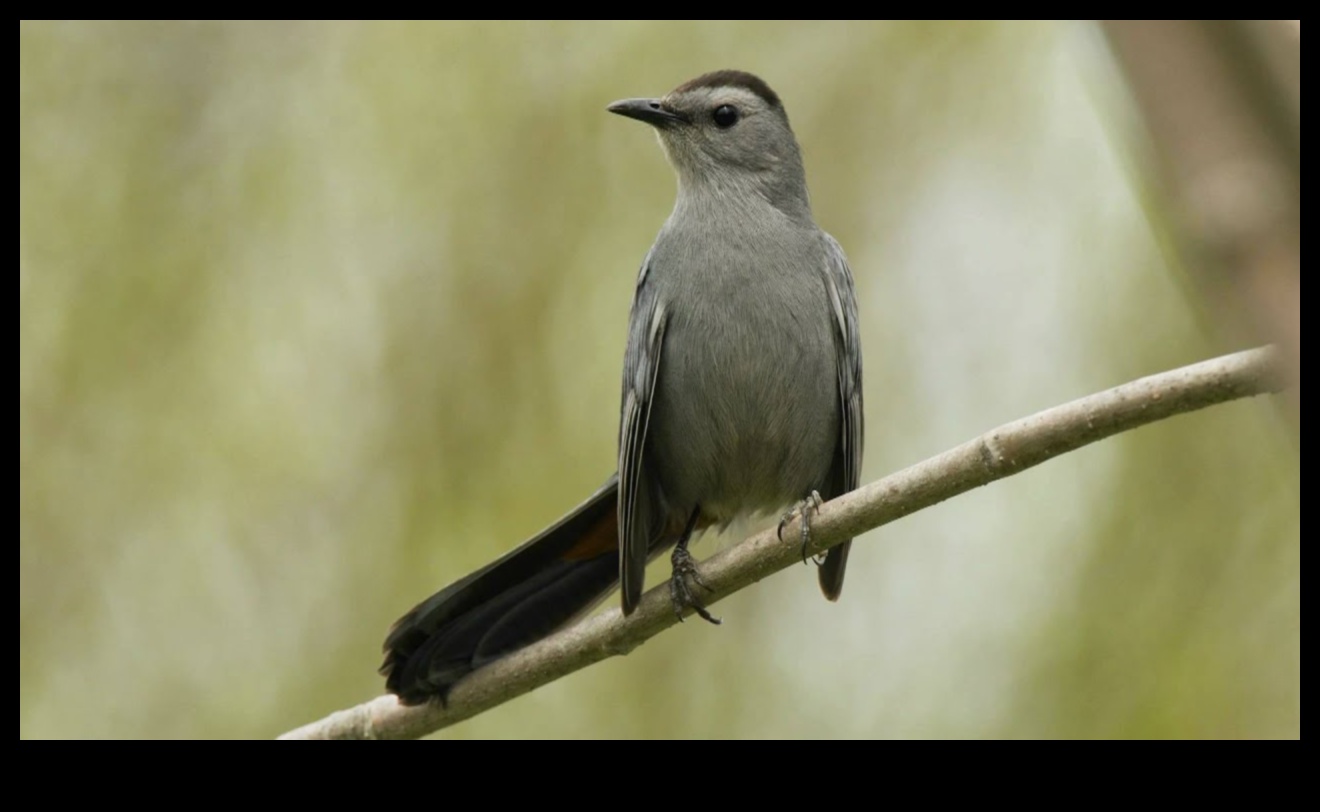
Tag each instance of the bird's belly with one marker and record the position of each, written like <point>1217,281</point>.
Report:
<point>745,417</point>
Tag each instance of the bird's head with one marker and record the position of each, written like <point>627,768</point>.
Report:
<point>726,131</point>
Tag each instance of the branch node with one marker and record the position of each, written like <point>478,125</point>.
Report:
<point>992,453</point>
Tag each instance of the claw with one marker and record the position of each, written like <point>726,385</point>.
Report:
<point>804,510</point>
<point>680,594</point>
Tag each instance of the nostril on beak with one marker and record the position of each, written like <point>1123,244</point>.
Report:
<point>652,111</point>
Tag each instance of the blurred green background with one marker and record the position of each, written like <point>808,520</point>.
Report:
<point>316,318</point>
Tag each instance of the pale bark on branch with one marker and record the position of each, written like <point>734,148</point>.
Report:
<point>999,453</point>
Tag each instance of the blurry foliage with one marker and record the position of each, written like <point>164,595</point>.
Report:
<point>315,318</point>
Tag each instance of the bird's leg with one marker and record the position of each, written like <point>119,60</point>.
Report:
<point>802,510</point>
<point>680,594</point>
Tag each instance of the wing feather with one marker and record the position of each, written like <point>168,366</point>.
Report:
<point>646,333</point>
<point>847,468</point>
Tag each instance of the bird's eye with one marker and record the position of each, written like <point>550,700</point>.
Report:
<point>726,115</point>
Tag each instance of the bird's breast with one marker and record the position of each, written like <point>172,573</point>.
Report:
<point>744,417</point>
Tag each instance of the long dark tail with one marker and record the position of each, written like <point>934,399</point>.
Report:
<point>508,604</point>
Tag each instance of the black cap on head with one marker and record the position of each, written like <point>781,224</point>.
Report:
<point>732,78</point>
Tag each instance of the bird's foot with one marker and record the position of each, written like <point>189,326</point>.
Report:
<point>680,593</point>
<point>802,510</point>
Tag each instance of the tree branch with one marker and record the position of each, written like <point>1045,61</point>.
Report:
<point>994,455</point>
<point>1222,104</point>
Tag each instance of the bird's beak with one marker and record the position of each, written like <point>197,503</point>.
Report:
<point>652,111</point>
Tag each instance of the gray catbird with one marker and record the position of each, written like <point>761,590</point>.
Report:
<point>742,392</point>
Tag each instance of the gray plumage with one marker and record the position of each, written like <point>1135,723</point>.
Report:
<point>742,375</point>
<point>742,393</point>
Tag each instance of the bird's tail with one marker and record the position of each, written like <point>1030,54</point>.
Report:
<point>508,604</point>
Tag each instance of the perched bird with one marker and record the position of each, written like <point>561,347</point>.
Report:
<point>742,393</point>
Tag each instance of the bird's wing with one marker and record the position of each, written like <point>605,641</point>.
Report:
<point>646,333</point>
<point>847,468</point>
